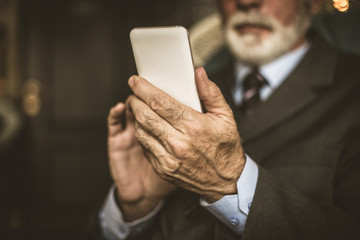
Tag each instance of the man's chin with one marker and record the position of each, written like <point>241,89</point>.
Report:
<point>248,40</point>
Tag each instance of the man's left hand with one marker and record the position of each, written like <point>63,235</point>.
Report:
<point>200,152</point>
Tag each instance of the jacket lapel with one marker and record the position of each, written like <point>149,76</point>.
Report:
<point>295,93</point>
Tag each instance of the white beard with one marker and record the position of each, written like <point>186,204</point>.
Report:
<point>252,49</point>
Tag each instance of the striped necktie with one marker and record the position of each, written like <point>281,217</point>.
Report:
<point>251,92</point>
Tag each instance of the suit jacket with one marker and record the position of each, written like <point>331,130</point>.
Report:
<point>306,141</point>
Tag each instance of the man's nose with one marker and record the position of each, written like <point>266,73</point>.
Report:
<point>248,5</point>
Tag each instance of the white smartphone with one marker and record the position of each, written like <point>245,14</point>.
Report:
<point>163,57</point>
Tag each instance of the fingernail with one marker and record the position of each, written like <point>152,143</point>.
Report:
<point>131,82</point>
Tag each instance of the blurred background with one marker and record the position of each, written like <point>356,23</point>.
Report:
<point>63,64</point>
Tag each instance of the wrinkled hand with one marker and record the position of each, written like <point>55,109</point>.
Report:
<point>197,151</point>
<point>139,188</point>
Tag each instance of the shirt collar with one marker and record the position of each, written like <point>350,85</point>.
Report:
<point>276,71</point>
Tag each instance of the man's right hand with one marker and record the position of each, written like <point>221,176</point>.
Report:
<point>139,188</point>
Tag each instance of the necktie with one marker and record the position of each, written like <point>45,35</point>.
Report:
<point>251,92</point>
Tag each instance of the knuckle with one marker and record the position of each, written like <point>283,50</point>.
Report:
<point>158,168</point>
<point>142,115</point>
<point>194,128</point>
<point>179,148</point>
<point>216,92</point>
<point>172,109</point>
<point>145,145</point>
<point>140,136</point>
<point>177,112</point>
<point>160,132</point>
<point>170,166</point>
<point>158,101</point>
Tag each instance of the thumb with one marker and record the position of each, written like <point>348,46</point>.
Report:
<point>210,94</point>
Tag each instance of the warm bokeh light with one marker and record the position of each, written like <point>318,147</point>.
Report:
<point>341,5</point>
<point>31,97</point>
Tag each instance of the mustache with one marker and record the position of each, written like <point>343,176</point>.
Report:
<point>239,19</point>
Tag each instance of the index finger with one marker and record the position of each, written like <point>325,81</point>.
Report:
<point>164,105</point>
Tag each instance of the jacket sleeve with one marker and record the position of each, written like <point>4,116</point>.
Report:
<point>281,211</point>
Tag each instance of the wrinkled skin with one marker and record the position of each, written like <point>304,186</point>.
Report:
<point>200,152</point>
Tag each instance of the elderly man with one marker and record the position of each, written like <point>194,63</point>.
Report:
<point>275,156</point>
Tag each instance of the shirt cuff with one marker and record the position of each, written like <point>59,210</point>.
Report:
<point>233,210</point>
<point>112,222</point>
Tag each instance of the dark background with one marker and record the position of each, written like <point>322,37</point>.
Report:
<point>78,53</point>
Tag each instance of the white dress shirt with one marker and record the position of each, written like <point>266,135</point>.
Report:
<point>232,210</point>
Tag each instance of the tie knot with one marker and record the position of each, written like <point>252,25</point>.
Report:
<point>254,80</point>
<point>251,92</point>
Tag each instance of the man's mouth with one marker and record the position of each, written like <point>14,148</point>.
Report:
<point>251,28</point>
